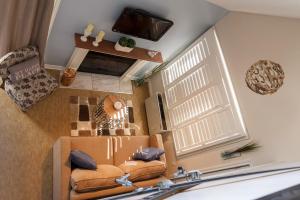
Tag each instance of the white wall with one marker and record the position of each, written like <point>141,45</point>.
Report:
<point>273,120</point>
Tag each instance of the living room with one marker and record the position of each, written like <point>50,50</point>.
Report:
<point>206,88</point>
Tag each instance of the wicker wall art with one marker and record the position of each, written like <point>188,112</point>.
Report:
<point>265,77</point>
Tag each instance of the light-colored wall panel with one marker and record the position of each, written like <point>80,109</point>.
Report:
<point>271,120</point>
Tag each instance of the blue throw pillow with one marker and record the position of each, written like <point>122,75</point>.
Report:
<point>79,159</point>
<point>149,154</point>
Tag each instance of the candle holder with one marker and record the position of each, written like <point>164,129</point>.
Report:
<point>95,43</point>
<point>84,37</point>
<point>152,53</point>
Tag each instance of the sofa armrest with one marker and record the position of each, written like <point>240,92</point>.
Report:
<point>61,169</point>
<point>156,141</point>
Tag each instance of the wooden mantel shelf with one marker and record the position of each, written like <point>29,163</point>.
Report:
<point>107,47</point>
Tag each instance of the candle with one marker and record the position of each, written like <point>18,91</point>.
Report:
<point>118,105</point>
<point>100,36</point>
<point>90,28</point>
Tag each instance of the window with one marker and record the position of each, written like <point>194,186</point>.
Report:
<point>200,98</point>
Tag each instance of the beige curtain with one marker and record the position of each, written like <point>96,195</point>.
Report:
<point>24,22</point>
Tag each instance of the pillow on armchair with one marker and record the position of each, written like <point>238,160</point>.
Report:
<point>16,57</point>
<point>24,69</point>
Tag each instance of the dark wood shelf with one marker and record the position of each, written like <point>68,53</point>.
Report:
<point>107,47</point>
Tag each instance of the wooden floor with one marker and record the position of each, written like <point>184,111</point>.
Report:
<point>26,140</point>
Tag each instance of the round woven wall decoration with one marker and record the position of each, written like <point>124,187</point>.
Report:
<point>265,77</point>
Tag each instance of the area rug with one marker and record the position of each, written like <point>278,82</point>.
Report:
<point>82,119</point>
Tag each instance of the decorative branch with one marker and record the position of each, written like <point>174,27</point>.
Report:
<point>251,146</point>
<point>141,81</point>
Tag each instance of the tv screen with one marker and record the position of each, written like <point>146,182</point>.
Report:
<point>140,23</point>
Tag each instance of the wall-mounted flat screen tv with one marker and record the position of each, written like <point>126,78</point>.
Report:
<point>142,24</point>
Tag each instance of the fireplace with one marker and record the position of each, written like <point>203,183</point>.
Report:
<point>100,63</point>
<point>105,59</point>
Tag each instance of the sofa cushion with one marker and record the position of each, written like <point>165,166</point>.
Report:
<point>89,180</point>
<point>79,159</point>
<point>99,194</point>
<point>140,170</point>
<point>148,154</point>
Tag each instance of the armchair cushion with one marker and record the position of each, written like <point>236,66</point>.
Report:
<point>90,180</point>
<point>16,57</point>
<point>140,170</point>
<point>24,69</point>
<point>31,90</point>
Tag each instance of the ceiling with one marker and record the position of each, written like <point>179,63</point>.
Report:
<point>191,18</point>
<point>284,8</point>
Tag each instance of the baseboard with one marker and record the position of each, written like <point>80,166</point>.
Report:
<point>55,67</point>
<point>227,167</point>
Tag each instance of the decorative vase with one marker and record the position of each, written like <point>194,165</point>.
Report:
<point>68,77</point>
<point>118,47</point>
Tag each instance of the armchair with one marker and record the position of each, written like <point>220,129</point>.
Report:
<point>30,90</point>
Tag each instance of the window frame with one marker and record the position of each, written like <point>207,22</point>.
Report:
<point>228,87</point>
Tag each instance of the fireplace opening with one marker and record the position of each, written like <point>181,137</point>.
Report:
<point>99,63</point>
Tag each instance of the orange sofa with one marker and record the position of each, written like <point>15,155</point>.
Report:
<point>106,150</point>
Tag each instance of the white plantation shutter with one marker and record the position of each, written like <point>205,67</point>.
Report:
<point>200,98</point>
